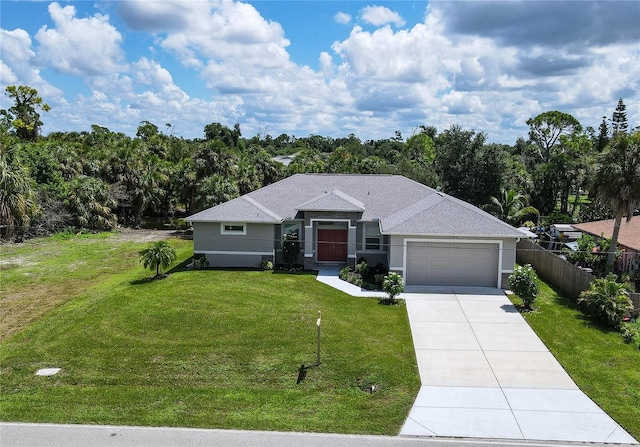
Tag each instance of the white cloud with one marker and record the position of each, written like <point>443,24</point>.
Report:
<point>452,68</point>
<point>342,18</point>
<point>326,64</point>
<point>223,30</point>
<point>379,15</point>
<point>86,46</point>
<point>459,103</point>
<point>18,66</point>
<point>7,75</point>
<point>16,63</point>
<point>151,73</point>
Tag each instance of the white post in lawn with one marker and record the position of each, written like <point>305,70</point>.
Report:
<point>318,324</point>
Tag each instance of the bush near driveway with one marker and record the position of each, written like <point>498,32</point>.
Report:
<point>524,283</point>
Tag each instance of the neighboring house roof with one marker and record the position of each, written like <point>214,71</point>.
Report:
<point>528,233</point>
<point>402,206</point>
<point>562,227</point>
<point>629,231</point>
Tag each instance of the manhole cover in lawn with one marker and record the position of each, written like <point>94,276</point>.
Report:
<point>48,371</point>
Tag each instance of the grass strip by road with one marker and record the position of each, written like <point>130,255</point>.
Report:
<point>597,359</point>
<point>214,349</point>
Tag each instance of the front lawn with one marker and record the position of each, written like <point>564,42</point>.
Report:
<point>601,364</point>
<point>214,349</point>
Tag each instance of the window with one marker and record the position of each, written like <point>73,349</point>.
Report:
<point>292,227</point>
<point>373,238</point>
<point>233,228</point>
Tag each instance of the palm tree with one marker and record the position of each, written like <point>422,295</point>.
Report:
<point>17,198</point>
<point>90,200</point>
<point>617,182</point>
<point>510,207</point>
<point>157,254</point>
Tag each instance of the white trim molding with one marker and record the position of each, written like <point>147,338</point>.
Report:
<point>219,252</point>
<point>233,232</point>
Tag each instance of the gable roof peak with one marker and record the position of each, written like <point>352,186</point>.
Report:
<point>334,200</point>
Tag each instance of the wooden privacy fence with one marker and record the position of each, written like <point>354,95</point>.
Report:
<point>564,276</point>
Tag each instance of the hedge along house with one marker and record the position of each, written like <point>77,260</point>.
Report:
<point>429,237</point>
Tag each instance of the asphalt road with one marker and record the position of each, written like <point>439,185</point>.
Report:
<point>50,435</point>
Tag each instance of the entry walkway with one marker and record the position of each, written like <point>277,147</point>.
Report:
<point>486,374</point>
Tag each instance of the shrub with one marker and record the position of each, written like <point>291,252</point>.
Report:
<point>362,268</point>
<point>344,273</point>
<point>393,285</point>
<point>290,249</point>
<point>629,332</point>
<point>200,263</point>
<point>355,278</point>
<point>607,300</point>
<point>266,264</point>
<point>524,283</point>
<point>379,279</point>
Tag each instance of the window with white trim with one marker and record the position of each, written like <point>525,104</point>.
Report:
<point>372,237</point>
<point>292,227</point>
<point>233,228</point>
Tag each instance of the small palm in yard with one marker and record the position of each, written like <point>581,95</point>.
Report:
<point>156,255</point>
<point>607,300</point>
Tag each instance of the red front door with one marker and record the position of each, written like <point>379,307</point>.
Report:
<point>332,245</point>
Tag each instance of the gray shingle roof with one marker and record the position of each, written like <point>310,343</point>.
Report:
<point>334,200</point>
<point>403,206</point>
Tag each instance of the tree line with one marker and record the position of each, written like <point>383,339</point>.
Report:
<point>99,179</point>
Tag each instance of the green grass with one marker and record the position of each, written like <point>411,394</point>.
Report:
<point>601,364</point>
<point>215,349</point>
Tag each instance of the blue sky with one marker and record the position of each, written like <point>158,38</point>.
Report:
<point>322,67</point>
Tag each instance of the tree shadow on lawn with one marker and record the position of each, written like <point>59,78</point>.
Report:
<point>295,272</point>
<point>182,267</point>
<point>187,266</point>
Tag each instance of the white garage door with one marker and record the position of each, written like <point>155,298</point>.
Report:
<point>452,264</point>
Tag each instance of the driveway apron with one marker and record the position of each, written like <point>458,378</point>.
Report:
<point>486,374</point>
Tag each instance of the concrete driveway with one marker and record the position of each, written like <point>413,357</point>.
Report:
<point>486,374</point>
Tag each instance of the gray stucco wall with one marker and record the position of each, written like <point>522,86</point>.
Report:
<point>372,257</point>
<point>233,250</point>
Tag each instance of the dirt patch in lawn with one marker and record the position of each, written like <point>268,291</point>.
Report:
<point>129,235</point>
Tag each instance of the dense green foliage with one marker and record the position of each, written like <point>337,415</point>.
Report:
<point>202,348</point>
<point>290,248</point>
<point>99,179</point>
<point>607,300</point>
<point>590,253</point>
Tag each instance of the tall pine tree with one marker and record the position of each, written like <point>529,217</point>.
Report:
<point>619,122</point>
<point>603,135</point>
